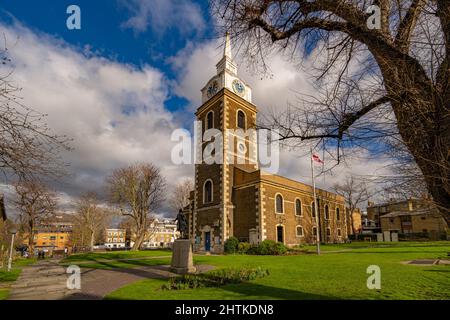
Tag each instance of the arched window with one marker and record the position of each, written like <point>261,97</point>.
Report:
<point>299,231</point>
<point>313,210</point>
<point>241,119</point>
<point>314,231</point>
<point>327,213</point>
<point>298,207</point>
<point>208,192</point>
<point>338,214</point>
<point>279,203</point>
<point>339,232</point>
<point>210,120</point>
<point>328,232</point>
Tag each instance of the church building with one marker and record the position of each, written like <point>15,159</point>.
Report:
<point>236,198</point>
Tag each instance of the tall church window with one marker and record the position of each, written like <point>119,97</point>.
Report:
<point>298,207</point>
<point>327,213</point>
<point>313,210</point>
<point>299,230</point>
<point>208,192</point>
<point>210,120</point>
<point>279,203</point>
<point>241,119</point>
<point>338,214</point>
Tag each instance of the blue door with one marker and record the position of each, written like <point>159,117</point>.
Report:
<point>207,241</point>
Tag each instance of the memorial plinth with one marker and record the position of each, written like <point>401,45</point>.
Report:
<point>182,257</point>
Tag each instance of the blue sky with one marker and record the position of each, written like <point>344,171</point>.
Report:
<point>105,32</point>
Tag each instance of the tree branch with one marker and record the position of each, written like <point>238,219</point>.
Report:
<point>407,25</point>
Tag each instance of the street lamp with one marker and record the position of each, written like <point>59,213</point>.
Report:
<point>13,232</point>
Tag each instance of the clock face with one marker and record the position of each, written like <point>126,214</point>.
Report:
<point>238,87</point>
<point>242,147</point>
<point>212,89</point>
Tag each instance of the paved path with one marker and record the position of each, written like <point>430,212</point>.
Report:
<point>46,280</point>
<point>97,283</point>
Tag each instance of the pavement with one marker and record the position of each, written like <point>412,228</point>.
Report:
<point>44,280</point>
<point>47,280</point>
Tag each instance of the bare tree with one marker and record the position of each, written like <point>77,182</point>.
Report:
<point>138,191</point>
<point>374,83</point>
<point>180,196</point>
<point>354,192</point>
<point>3,242</point>
<point>91,219</point>
<point>36,204</point>
<point>28,148</point>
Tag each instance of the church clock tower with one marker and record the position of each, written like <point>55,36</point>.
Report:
<point>227,108</point>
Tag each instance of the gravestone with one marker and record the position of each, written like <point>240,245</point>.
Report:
<point>379,237</point>
<point>394,237</point>
<point>253,236</point>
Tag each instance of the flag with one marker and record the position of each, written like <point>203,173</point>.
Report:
<point>316,158</point>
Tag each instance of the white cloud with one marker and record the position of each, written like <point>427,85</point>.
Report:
<point>161,15</point>
<point>114,112</point>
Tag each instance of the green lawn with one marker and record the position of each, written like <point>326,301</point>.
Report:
<point>340,275</point>
<point>7,278</point>
<point>16,269</point>
<point>364,245</point>
<point>4,294</point>
<point>114,255</point>
<point>119,259</point>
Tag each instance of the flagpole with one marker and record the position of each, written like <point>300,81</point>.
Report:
<point>315,205</point>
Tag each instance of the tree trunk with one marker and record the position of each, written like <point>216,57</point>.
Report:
<point>422,115</point>
<point>31,238</point>
<point>140,235</point>
<point>424,136</point>
<point>91,246</point>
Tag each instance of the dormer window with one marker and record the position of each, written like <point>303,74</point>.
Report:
<point>241,119</point>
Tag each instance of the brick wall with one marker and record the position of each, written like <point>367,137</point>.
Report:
<point>289,220</point>
<point>244,212</point>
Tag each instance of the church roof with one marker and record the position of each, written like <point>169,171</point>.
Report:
<point>257,176</point>
<point>417,212</point>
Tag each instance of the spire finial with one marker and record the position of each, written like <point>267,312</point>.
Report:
<point>227,49</point>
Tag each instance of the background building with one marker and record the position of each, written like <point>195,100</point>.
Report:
<point>115,238</point>
<point>161,234</point>
<point>375,211</point>
<point>420,223</point>
<point>53,235</point>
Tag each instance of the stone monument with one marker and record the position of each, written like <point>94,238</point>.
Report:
<point>182,257</point>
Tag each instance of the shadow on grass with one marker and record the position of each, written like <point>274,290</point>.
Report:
<point>130,268</point>
<point>263,291</point>
<point>120,255</point>
<point>384,252</point>
<point>444,271</point>
<point>124,264</point>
